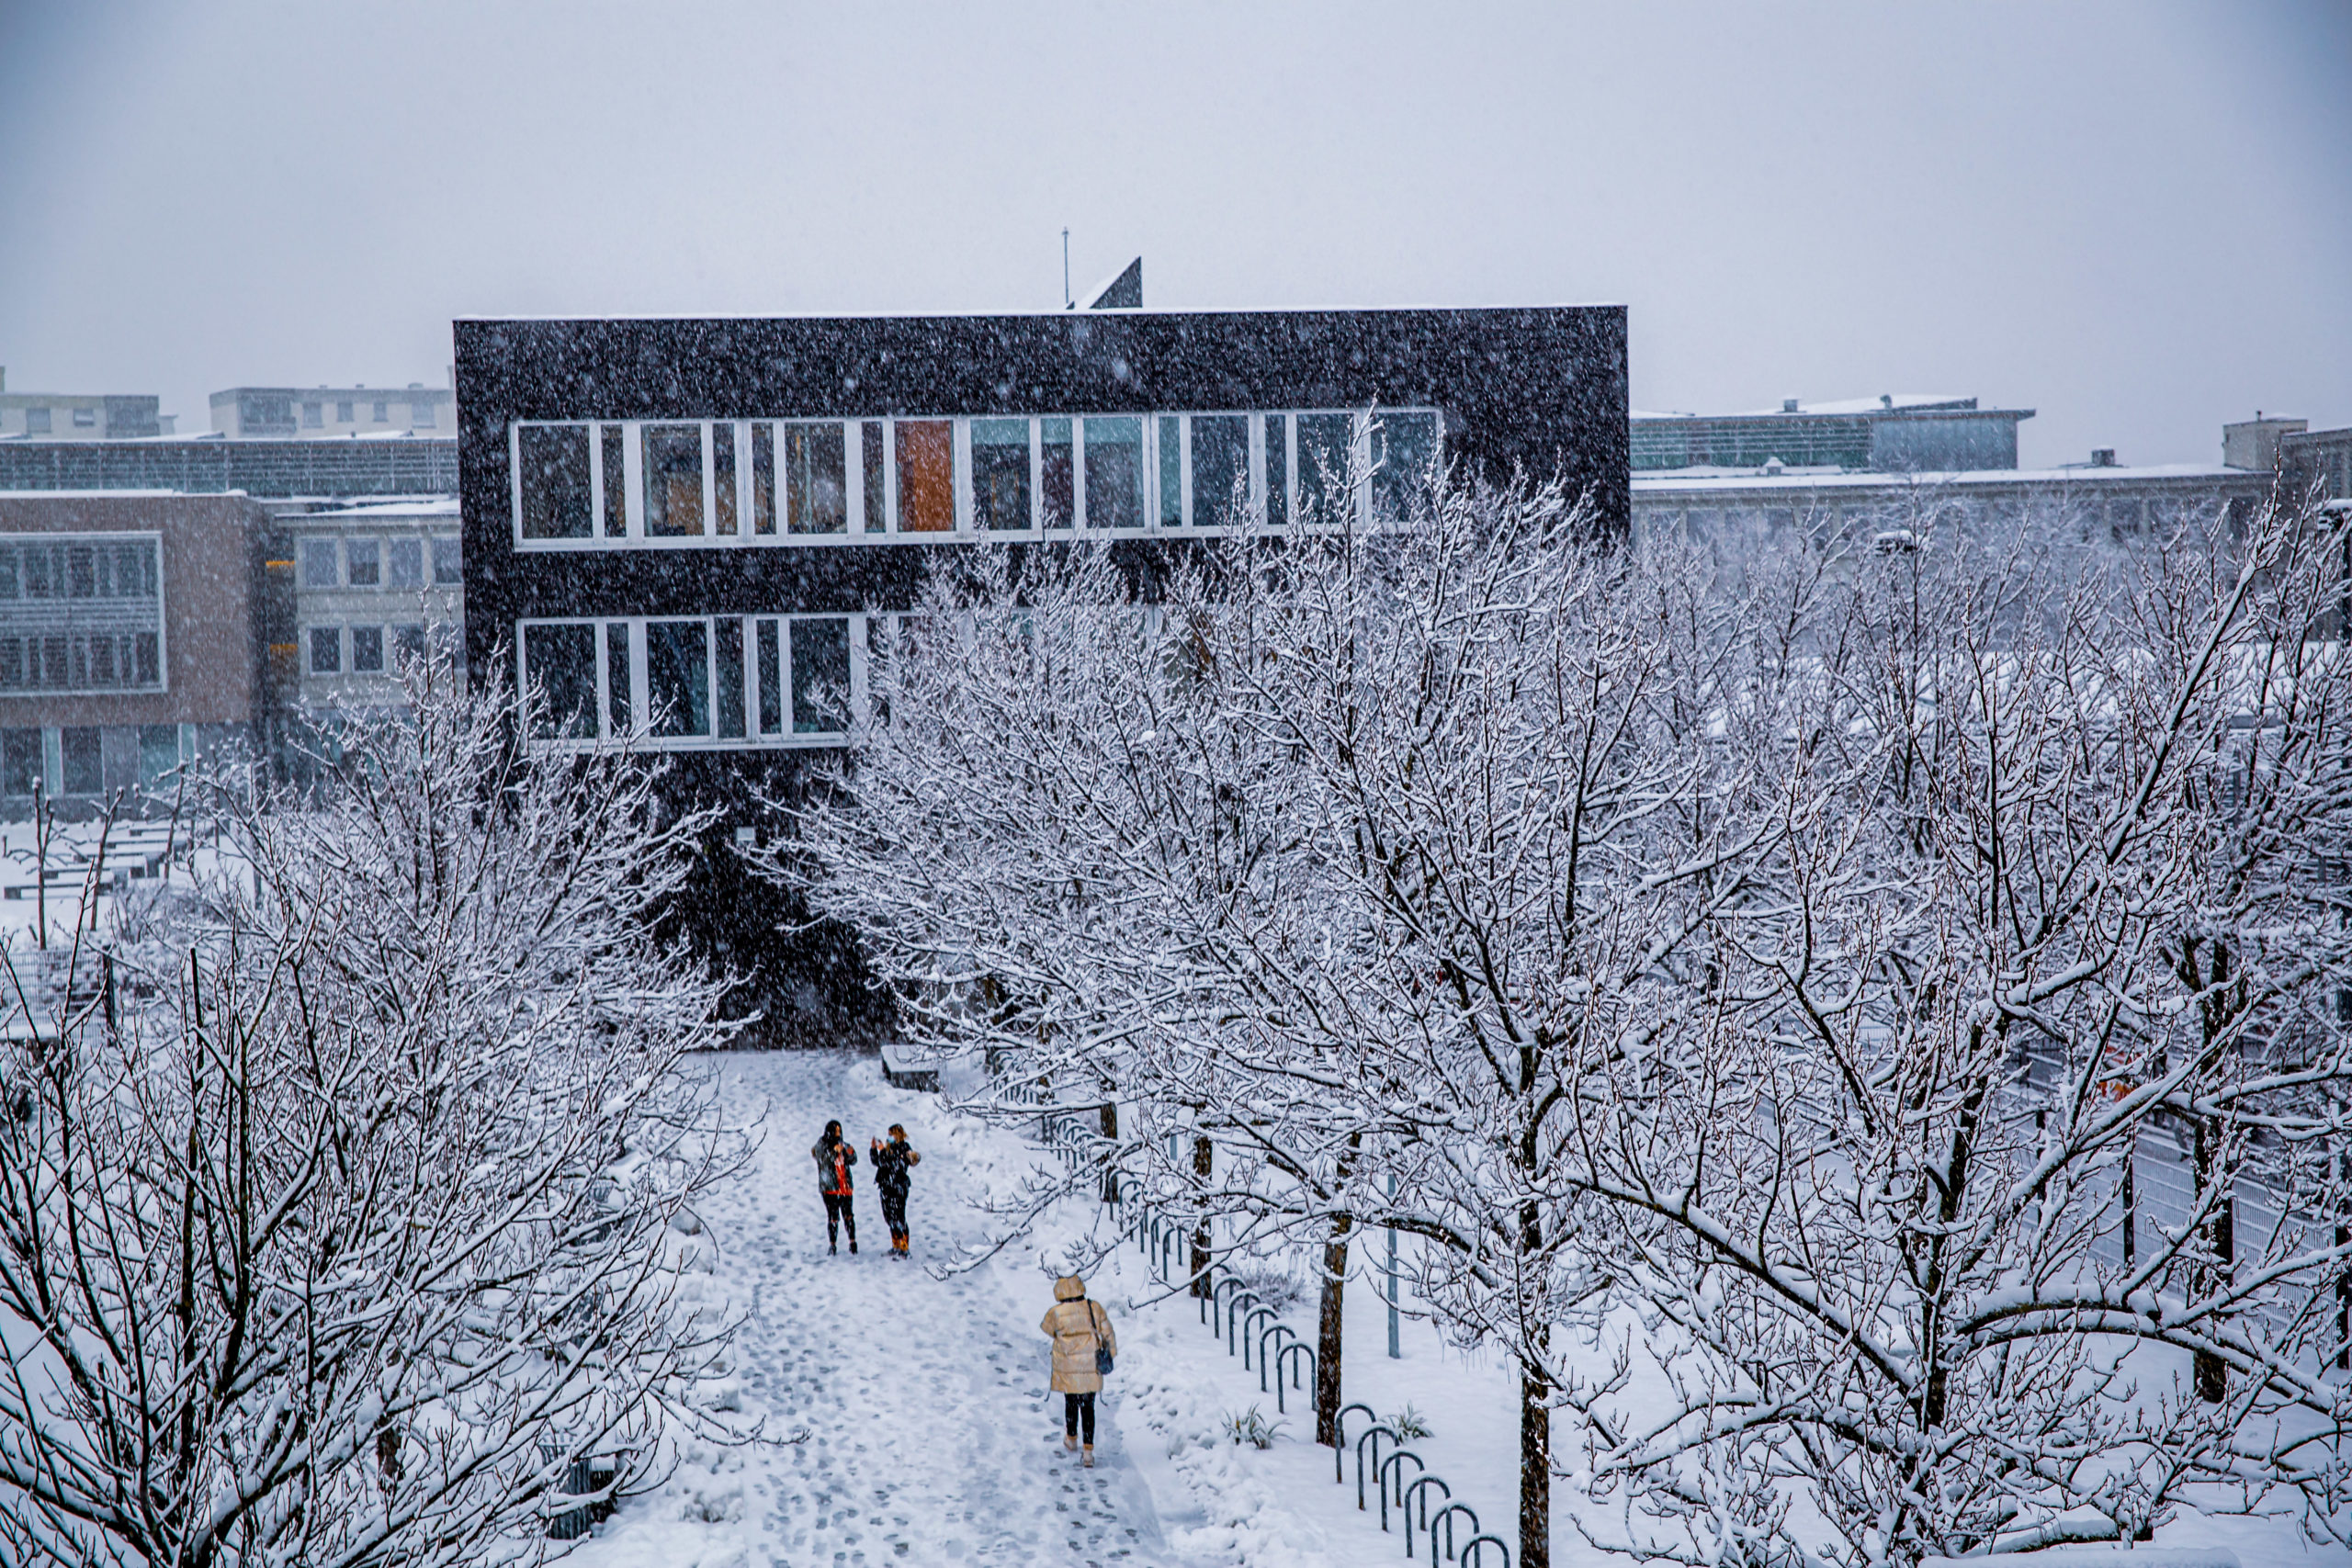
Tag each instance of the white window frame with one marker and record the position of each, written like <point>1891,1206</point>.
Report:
<point>639,732</point>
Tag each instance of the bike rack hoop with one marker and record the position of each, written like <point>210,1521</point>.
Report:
<point>1271,1331</point>
<point>1371,1435</point>
<point>1474,1550</point>
<point>1396,1462</point>
<point>1283,1363</point>
<point>1250,1327</point>
<point>1420,1482</point>
<point>1445,1517</point>
<point>1339,1435</point>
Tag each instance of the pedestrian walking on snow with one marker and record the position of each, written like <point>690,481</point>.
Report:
<point>1083,1347</point>
<point>833,1159</point>
<point>891,1162</point>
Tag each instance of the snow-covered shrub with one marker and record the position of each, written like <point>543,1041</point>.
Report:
<point>1410,1425</point>
<point>336,1251</point>
<point>1251,1426</point>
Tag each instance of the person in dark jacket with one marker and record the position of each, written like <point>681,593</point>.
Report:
<point>891,1162</point>
<point>833,1159</point>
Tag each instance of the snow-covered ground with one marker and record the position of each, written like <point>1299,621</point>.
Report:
<point>932,1437</point>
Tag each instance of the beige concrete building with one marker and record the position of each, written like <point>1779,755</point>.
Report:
<point>78,416</point>
<point>373,584</point>
<point>132,630</point>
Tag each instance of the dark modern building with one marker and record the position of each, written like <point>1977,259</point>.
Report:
<point>684,529</point>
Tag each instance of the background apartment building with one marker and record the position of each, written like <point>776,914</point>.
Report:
<point>323,412</point>
<point>79,416</point>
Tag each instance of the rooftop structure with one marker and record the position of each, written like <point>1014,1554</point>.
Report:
<point>213,465</point>
<point>78,416</point>
<point>1895,433</point>
<point>320,412</point>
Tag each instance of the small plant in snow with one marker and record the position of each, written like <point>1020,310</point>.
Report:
<point>1410,1424</point>
<point>1251,1427</point>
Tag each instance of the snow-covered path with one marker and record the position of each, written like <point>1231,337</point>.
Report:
<point>933,1436</point>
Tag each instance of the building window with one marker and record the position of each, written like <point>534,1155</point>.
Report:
<point>343,414</point>
<point>554,464</point>
<point>36,421</point>
<point>820,675</point>
<point>81,613</point>
<point>1115,473</point>
<point>677,677</point>
<point>613,452</point>
<point>421,414</point>
<point>722,478</point>
<point>869,446</point>
<point>1404,448</point>
<point>320,567</point>
<point>383,413</point>
<point>365,560</point>
<point>1277,470</point>
<point>86,419</point>
<point>408,643</point>
<point>404,563</point>
<point>1001,475</point>
<point>926,476</point>
<point>816,478</point>
<point>617,681</point>
<point>673,480</point>
<point>448,561</point>
<point>728,689</point>
<point>326,650</point>
<point>79,757</point>
<point>1220,469</point>
<point>559,671</point>
<point>1171,471</point>
<point>159,751</point>
<point>20,760</point>
<point>312,416</point>
<point>1325,443</point>
<point>367,650</point>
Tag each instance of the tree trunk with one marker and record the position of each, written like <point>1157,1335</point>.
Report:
<point>1534,1468</point>
<point>1202,1165</point>
<point>1327,1333</point>
<point>1111,1131</point>
<point>2212,1373</point>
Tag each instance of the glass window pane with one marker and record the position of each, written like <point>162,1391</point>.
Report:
<point>673,480</point>
<point>159,751</point>
<point>926,476</point>
<point>408,644</point>
<point>365,560</point>
<point>326,650</point>
<point>1277,470</point>
<point>999,474</point>
<point>730,678</point>
<point>560,662</point>
<point>677,677</point>
<point>1115,473</point>
<point>617,684</point>
<point>762,479</point>
<point>404,563</point>
<point>869,445</point>
<point>820,676</point>
<point>1323,442</point>
<point>78,745</point>
<point>20,763</point>
<point>1220,469</point>
<point>448,561</point>
<point>1056,472</point>
<point>816,485</point>
<point>616,481</point>
<point>320,567</point>
<point>1404,446</point>
<point>368,650</point>
<point>771,673</point>
<point>722,478</point>
<point>1171,471</point>
<point>555,481</point>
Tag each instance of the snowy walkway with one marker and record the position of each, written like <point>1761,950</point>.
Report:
<point>933,1438</point>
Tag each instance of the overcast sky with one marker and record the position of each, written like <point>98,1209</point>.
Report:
<point>2135,218</point>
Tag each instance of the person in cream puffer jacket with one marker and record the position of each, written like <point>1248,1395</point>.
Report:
<point>1078,1327</point>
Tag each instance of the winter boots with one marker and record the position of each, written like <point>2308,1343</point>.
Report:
<point>1070,1442</point>
<point>1088,1460</point>
<point>902,1244</point>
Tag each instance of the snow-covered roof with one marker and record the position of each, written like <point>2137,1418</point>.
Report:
<point>1884,403</point>
<point>1669,481</point>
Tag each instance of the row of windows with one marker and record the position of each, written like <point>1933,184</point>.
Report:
<point>380,563</point>
<point>639,482</point>
<point>314,414</point>
<point>362,650</point>
<point>81,757</point>
<point>81,661</point>
<point>743,680</point>
<point>79,569</point>
<point>41,421</point>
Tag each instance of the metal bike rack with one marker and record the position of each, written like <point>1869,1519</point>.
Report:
<point>1233,1318</point>
<point>1474,1550</point>
<point>1282,1362</point>
<point>1339,1433</point>
<point>1277,1332</point>
<point>1216,1295</point>
<point>1250,1327</point>
<point>1371,1435</point>
<point>1396,1462</point>
<point>1417,1488</point>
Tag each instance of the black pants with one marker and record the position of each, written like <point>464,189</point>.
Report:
<point>894,1212</point>
<point>1077,1407</point>
<point>839,1213</point>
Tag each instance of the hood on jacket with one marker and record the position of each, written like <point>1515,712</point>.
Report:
<point>1068,1287</point>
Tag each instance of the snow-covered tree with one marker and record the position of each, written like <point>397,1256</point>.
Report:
<point>342,1224</point>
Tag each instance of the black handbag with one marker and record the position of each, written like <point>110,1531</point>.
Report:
<point>1101,1355</point>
